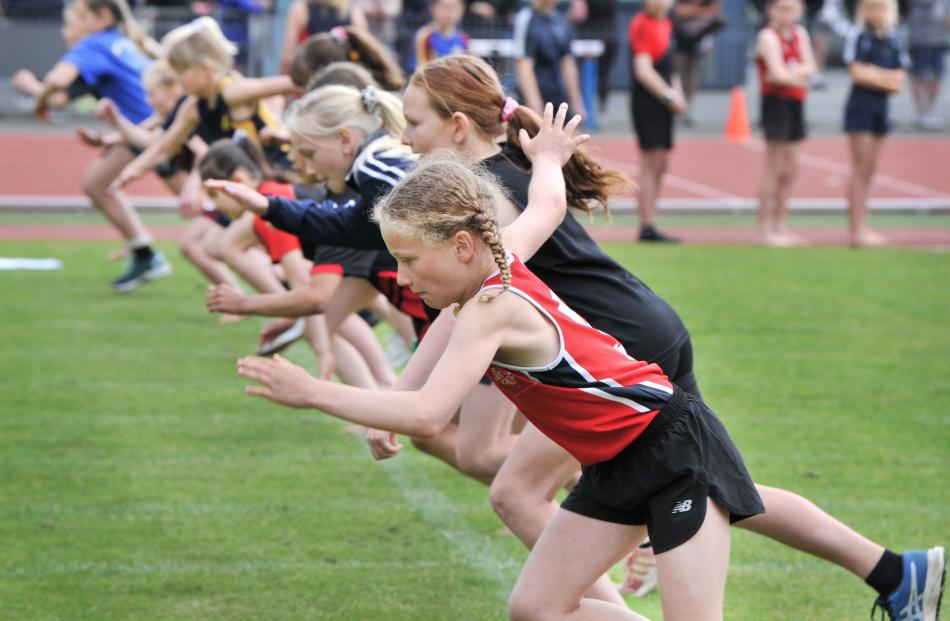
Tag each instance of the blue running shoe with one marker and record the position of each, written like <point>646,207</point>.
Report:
<point>142,271</point>
<point>918,596</point>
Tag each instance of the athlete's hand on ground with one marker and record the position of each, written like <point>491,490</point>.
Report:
<point>273,328</point>
<point>89,137</point>
<point>107,112</point>
<point>225,298</point>
<point>382,444</point>
<point>554,139</point>
<point>280,380</point>
<point>245,196</point>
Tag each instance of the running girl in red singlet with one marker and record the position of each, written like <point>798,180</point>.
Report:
<point>654,457</point>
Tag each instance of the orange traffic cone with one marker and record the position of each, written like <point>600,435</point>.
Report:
<point>737,125</point>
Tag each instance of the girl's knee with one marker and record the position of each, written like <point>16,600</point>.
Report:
<point>524,606</point>
<point>506,497</point>
<point>476,463</point>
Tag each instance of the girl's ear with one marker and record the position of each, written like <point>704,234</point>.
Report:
<point>347,140</point>
<point>464,244</point>
<point>240,176</point>
<point>461,127</point>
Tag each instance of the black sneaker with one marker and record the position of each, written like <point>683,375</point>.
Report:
<point>650,233</point>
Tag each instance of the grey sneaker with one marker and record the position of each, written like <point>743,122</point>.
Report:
<point>142,271</point>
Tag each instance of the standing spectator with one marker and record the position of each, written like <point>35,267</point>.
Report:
<point>595,19</point>
<point>233,15</point>
<point>877,65</point>
<point>544,64</point>
<point>441,36</point>
<point>381,16</point>
<point>928,31</point>
<point>693,22</point>
<point>786,64</point>
<point>309,17</point>
<point>657,96</point>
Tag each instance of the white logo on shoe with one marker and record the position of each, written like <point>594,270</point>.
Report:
<point>682,506</point>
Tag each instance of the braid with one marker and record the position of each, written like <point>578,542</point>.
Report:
<point>485,225</point>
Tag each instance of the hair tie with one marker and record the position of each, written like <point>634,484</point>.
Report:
<point>340,34</point>
<point>508,110</point>
<point>370,98</point>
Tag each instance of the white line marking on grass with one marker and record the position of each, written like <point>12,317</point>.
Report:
<point>241,567</point>
<point>480,552</point>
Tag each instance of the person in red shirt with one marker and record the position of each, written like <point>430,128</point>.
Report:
<point>655,458</point>
<point>786,64</point>
<point>656,97</point>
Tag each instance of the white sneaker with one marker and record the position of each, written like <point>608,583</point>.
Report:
<point>282,340</point>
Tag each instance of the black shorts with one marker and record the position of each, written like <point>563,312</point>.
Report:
<point>653,123</point>
<point>858,118</point>
<point>664,477</point>
<point>783,120</point>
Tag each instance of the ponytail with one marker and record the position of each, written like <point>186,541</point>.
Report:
<point>585,178</point>
<point>345,43</point>
<point>323,112</point>
<point>129,26</point>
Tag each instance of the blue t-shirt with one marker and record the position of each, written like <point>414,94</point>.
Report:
<point>112,65</point>
<point>546,39</point>
<point>864,46</point>
<point>438,45</point>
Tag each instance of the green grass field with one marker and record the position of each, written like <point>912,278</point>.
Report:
<point>137,482</point>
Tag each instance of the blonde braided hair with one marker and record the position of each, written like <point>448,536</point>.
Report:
<point>442,195</point>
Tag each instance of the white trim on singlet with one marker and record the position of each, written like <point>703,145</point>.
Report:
<point>561,352</point>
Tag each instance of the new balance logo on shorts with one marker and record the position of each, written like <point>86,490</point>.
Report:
<point>682,506</point>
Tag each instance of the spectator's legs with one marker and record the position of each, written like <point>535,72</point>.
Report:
<point>652,168</point>
<point>865,147</point>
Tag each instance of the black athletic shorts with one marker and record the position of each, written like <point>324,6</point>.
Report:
<point>664,477</point>
<point>652,122</point>
<point>782,119</point>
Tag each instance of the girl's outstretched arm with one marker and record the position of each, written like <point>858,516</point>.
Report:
<point>548,151</point>
<point>419,413</point>
<point>251,90</point>
<point>165,146</point>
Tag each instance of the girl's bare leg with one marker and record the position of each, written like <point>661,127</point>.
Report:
<point>864,151</point>
<point>355,294</point>
<point>692,576</point>
<point>231,247</point>
<point>652,167</point>
<point>767,191</point>
<point>484,437</point>
<point>786,180</point>
<point>523,493</point>
<point>796,522</point>
<point>198,234</point>
<point>114,205</point>
<point>573,552</point>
